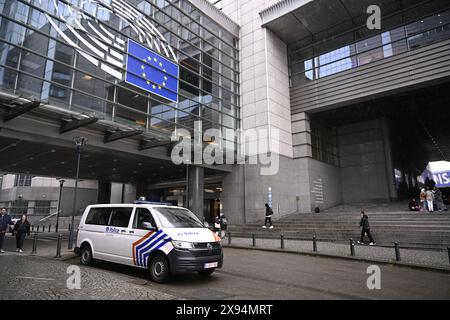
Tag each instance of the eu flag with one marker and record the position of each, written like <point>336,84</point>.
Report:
<point>151,72</point>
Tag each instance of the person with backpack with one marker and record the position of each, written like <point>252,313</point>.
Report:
<point>269,213</point>
<point>364,223</point>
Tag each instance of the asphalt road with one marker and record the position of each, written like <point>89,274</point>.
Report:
<point>247,274</point>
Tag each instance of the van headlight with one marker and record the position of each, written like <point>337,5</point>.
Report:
<point>182,244</point>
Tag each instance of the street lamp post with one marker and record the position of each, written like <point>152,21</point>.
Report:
<point>80,142</point>
<point>61,183</point>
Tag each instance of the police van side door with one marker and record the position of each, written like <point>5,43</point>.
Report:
<point>141,237</point>
<point>116,233</point>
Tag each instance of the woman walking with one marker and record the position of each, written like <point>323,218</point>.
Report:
<point>21,229</point>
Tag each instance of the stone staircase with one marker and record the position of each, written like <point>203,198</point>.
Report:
<point>410,229</point>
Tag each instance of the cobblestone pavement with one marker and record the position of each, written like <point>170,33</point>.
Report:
<point>430,258</point>
<point>31,277</point>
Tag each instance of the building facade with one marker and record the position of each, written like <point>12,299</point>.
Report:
<point>335,100</point>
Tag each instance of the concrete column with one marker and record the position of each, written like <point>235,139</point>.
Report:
<point>388,157</point>
<point>195,190</point>
<point>104,191</point>
<point>141,190</point>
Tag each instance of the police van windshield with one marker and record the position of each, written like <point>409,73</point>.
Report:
<point>177,218</point>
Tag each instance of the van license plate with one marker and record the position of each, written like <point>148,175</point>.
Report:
<point>211,265</point>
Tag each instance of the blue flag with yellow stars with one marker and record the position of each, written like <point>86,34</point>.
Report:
<point>151,72</point>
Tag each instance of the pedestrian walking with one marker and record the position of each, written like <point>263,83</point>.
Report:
<point>21,230</point>
<point>438,203</point>
<point>5,221</point>
<point>217,225</point>
<point>430,200</point>
<point>223,225</point>
<point>269,213</point>
<point>364,223</point>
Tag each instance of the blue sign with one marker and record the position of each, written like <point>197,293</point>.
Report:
<point>442,179</point>
<point>151,72</point>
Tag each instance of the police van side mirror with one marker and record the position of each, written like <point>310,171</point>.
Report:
<point>148,226</point>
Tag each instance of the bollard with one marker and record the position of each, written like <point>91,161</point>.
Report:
<point>49,227</point>
<point>352,248</point>
<point>448,250</point>
<point>58,247</point>
<point>32,228</point>
<point>253,240</point>
<point>397,251</point>
<point>314,243</point>
<point>282,241</point>
<point>229,237</point>
<point>35,243</point>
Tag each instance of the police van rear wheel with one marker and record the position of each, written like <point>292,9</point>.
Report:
<point>206,273</point>
<point>159,269</point>
<point>86,255</point>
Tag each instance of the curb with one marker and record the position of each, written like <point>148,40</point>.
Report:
<point>360,259</point>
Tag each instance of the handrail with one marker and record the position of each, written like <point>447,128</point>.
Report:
<point>49,216</point>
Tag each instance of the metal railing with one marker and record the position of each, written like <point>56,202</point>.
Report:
<point>252,243</point>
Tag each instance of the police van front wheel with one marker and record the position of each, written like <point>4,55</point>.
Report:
<point>159,269</point>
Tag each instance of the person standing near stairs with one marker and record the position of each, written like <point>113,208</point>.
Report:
<point>364,223</point>
<point>21,229</point>
<point>269,213</point>
<point>5,222</point>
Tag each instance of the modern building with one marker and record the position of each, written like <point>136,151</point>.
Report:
<point>351,113</point>
<point>40,196</point>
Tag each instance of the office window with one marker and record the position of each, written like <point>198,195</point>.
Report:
<point>22,180</point>
<point>18,207</point>
<point>42,207</point>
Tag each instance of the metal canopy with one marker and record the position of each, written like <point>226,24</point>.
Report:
<point>294,20</point>
<point>74,123</point>
<point>16,109</point>
<point>111,136</point>
<point>149,144</point>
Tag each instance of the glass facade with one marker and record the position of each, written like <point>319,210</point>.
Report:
<point>309,62</point>
<point>36,60</point>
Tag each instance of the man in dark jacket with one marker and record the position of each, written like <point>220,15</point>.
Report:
<point>5,221</point>
<point>269,213</point>
<point>21,229</point>
<point>364,223</point>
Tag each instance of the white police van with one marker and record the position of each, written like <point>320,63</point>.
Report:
<point>162,238</point>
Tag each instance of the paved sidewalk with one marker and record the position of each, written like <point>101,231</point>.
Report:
<point>46,247</point>
<point>425,258</point>
<point>26,277</point>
